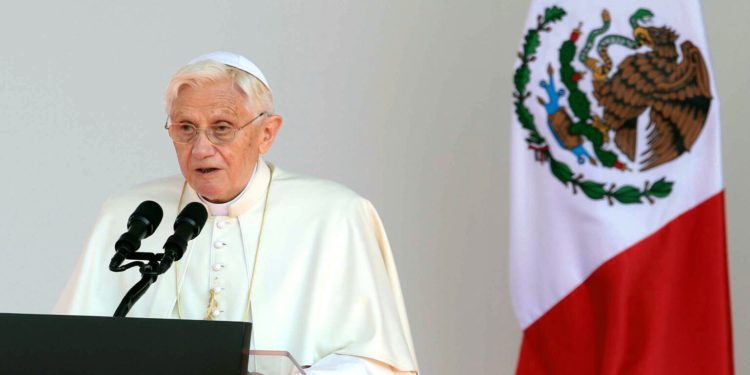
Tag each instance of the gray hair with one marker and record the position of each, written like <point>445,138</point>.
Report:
<point>207,71</point>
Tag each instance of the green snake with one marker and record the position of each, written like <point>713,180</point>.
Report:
<point>603,45</point>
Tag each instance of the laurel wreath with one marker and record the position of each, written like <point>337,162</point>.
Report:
<point>625,194</point>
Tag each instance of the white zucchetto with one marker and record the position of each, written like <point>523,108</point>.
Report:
<point>236,61</point>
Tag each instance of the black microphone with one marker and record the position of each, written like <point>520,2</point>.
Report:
<point>141,224</point>
<point>187,226</point>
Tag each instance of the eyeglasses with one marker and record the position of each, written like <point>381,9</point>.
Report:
<point>219,134</point>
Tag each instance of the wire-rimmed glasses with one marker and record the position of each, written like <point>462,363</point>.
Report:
<point>219,134</point>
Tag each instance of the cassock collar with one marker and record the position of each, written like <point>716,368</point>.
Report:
<point>254,192</point>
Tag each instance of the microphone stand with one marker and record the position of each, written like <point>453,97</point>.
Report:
<point>149,272</point>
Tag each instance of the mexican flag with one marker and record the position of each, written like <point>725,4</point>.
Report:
<point>618,244</point>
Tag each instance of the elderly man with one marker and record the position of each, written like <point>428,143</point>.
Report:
<point>306,260</point>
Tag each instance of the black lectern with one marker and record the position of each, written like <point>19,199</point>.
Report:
<point>53,344</point>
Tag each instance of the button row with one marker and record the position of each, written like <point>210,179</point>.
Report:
<point>219,266</point>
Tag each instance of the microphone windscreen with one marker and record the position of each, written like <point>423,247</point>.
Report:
<point>194,212</point>
<point>149,211</point>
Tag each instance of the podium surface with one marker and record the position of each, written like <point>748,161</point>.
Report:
<point>55,344</point>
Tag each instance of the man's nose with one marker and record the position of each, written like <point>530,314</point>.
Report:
<point>202,147</point>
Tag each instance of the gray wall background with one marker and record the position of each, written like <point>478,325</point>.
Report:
<point>407,102</point>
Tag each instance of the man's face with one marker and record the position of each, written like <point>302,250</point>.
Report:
<point>220,173</point>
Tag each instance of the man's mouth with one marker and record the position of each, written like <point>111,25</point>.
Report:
<point>205,171</point>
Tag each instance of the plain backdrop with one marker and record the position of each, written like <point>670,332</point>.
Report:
<point>407,102</point>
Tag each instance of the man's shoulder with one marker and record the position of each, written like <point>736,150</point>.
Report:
<point>315,193</point>
<point>162,190</point>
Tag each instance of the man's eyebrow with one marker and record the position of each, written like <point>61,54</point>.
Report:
<point>216,115</point>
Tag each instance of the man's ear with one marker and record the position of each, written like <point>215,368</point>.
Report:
<point>269,129</point>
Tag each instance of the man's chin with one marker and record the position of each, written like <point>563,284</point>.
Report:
<point>210,192</point>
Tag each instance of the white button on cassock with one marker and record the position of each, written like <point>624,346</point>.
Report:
<point>218,266</point>
<point>220,244</point>
<point>222,224</point>
<point>218,289</point>
<point>216,313</point>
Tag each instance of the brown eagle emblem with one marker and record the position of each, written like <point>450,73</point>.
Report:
<point>673,84</point>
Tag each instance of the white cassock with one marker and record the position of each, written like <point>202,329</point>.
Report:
<point>320,275</point>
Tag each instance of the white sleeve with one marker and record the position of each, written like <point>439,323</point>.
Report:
<point>334,364</point>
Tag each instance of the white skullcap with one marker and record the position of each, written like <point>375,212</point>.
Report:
<point>234,60</point>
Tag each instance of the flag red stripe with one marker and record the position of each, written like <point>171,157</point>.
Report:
<point>659,307</point>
